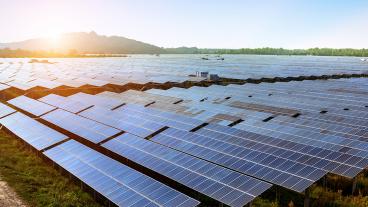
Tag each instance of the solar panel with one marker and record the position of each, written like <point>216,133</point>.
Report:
<point>65,103</point>
<point>139,97</point>
<point>31,106</point>
<point>123,121</point>
<point>265,108</point>
<point>5,110</point>
<point>3,87</point>
<point>31,131</point>
<point>229,187</point>
<point>88,129</point>
<point>168,119</point>
<point>120,184</point>
<point>20,84</point>
<point>41,82</point>
<point>95,100</point>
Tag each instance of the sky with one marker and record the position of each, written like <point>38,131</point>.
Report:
<point>201,23</point>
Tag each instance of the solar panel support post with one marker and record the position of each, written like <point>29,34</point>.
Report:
<point>250,204</point>
<point>353,188</point>
<point>306,197</point>
<point>324,181</point>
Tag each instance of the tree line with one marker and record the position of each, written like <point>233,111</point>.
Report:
<point>273,51</point>
<point>19,53</point>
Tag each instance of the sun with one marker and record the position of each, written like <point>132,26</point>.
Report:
<point>54,37</point>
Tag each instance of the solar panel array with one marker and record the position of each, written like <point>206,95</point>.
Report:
<point>229,143</point>
<point>78,72</point>
<point>167,68</point>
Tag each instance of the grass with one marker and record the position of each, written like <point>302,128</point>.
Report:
<point>336,194</point>
<point>37,183</point>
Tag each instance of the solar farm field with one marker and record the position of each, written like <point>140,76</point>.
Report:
<point>221,145</point>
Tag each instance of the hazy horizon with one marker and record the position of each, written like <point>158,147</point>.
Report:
<point>206,24</point>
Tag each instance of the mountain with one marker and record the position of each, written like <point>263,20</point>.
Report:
<point>83,42</point>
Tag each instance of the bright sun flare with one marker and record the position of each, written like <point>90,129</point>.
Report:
<point>54,37</point>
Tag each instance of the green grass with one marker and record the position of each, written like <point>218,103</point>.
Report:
<point>37,183</point>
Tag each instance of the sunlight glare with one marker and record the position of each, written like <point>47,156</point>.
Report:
<point>54,37</point>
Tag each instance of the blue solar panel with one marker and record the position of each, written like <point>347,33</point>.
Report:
<point>85,128</point>
<point>65,103</point>
<point>31,106</point>
<point>122,121</point>
<point>120,184</point>
<point>5,110</point>
<point>31,131</point>
<point>166,118</point>
<point>95,100</point>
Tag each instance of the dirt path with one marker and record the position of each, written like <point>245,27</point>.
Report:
<point>8,198</point>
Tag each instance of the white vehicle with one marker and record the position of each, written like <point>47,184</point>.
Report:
<point>364,59</point>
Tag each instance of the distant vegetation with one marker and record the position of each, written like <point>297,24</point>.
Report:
<point>80,44</point>
<point>19,53</point>
<point>273,51</point>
